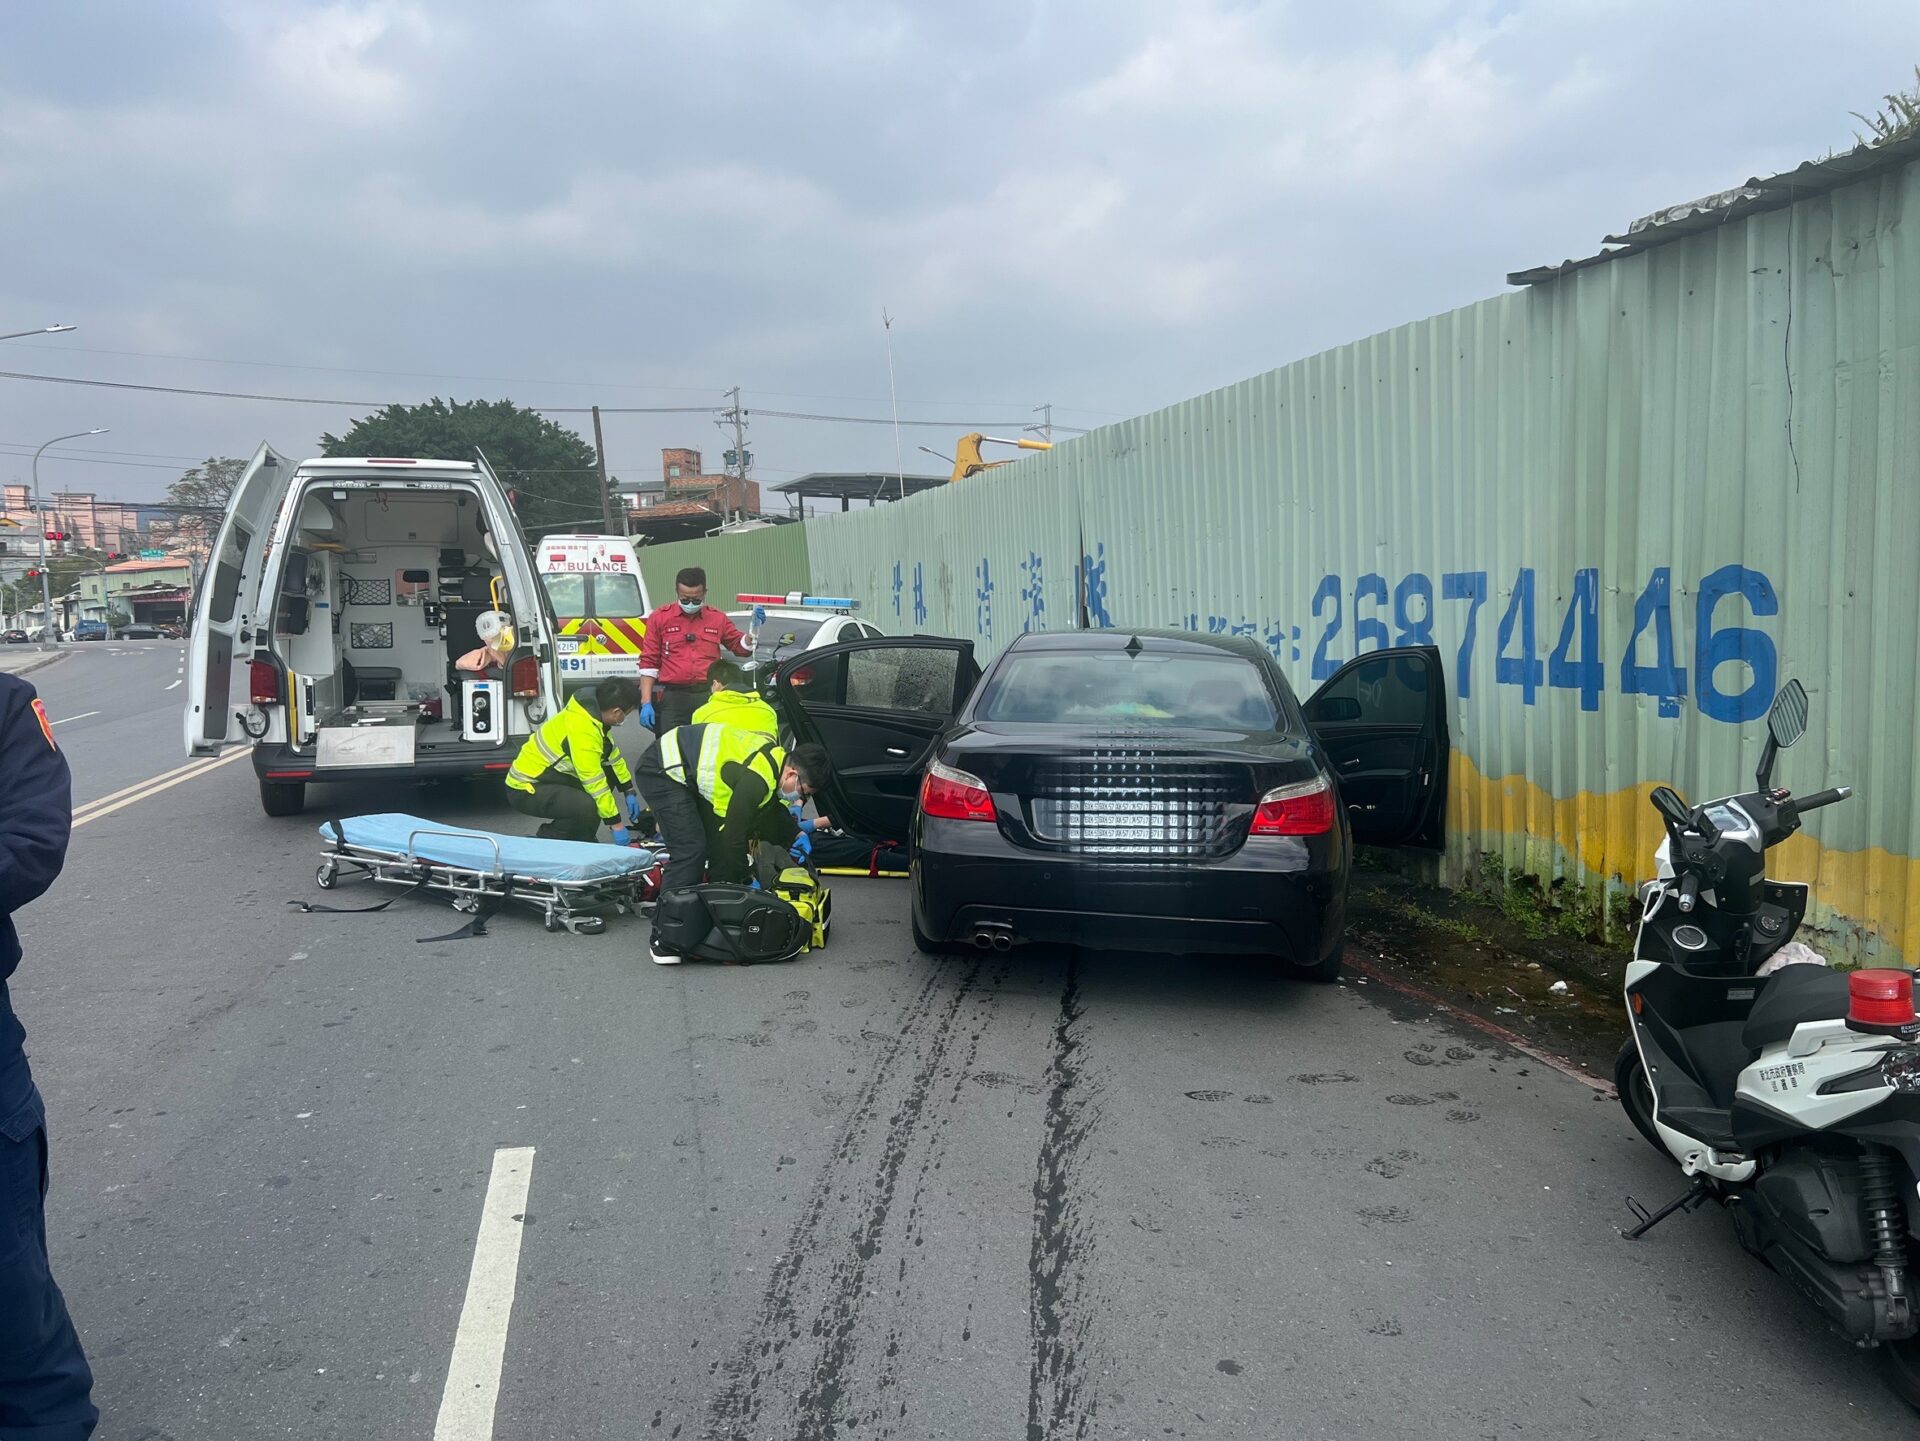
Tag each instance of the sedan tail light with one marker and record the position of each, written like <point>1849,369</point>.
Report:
<point>953,795</point>
<point>1305,809</point>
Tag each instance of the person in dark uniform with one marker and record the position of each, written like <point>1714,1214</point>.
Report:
<point>45,1384</point>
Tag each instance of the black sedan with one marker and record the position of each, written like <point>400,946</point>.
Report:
<point>1149,790</point>
<point>13,637</point>
<point>141,630</point>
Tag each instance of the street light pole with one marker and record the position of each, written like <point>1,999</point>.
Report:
<point>43,330</point>
<point>46,584</point>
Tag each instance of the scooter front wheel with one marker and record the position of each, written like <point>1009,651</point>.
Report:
<point>1900,1363</point>
<point>1636,1094</point>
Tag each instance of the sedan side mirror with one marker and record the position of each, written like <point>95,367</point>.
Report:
<point>1335,709</point>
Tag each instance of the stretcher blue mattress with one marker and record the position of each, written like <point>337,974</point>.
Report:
<point>475,850</point>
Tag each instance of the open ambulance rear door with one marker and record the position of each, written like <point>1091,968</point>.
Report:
<point>226,595</point>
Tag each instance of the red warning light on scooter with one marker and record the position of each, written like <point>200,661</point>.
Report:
<point>1880,1001</point>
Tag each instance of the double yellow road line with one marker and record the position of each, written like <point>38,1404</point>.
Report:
<point>121,799</point>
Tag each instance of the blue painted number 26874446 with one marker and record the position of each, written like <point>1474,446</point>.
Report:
<point>1649,664</point>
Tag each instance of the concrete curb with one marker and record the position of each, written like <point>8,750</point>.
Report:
<point>27,667</point>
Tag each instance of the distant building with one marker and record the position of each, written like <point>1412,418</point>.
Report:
<point>90,523</point>
<point>688,501</point>
<point>155,591</point>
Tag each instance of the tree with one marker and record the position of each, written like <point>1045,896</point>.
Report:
<point>550,469</point>
<point>202,493</point>
<point>1898,117</point>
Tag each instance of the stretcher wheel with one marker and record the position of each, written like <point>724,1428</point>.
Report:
<point>326,875</point>
<point>586,925</point>
<point>551,921</point>
<point>466,905</point>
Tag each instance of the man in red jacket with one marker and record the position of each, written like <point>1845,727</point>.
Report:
<point>683,641</point>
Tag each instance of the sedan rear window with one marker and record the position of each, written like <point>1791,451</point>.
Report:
<point>1112,688</point>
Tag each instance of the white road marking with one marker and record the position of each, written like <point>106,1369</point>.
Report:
<point>480,1343</point>
<point>175,686</point>
<point>82,716</point>
<point>120,800</point>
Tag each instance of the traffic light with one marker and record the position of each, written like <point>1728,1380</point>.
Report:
<point>56,535</point>
<point>33,575</point>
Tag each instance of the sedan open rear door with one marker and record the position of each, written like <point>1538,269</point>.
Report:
<point>877,706</point>
<point>227,591</point>
<point>1382,720</point>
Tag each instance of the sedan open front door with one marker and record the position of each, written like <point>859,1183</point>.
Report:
<point>877,706</point>
<point>1382,720</point>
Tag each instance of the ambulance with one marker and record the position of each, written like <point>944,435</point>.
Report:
<point>600,602</point>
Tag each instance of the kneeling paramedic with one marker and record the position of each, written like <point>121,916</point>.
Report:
<point>734,702</point>
<point>562,772</point>
<point>713,788</point>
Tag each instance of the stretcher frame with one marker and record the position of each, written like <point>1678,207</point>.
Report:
<point>578,907</point>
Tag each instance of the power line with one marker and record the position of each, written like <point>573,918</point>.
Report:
<point>543,409</point>
<point>526,380</point>
<point>961,425</point>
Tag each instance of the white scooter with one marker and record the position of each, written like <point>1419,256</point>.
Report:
<point>1792,1099</point>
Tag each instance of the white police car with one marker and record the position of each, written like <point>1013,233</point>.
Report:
<point>798,622</point>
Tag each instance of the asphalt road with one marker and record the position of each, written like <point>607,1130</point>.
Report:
<point>868,1194</point>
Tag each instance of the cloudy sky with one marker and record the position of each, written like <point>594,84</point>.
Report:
<point>1105,205</point>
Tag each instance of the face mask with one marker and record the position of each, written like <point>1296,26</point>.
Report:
<point>692,607</point>
<point>791,797</point>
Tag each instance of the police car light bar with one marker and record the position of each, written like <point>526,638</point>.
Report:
<point>800,601</point>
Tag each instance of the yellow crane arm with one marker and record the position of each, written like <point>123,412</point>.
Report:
<point>967,459</point>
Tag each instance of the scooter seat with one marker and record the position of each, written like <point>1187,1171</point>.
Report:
<point>1793,995</point>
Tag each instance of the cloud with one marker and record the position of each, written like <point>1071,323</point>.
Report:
<point>355,62</point>
<point>1104,203</point>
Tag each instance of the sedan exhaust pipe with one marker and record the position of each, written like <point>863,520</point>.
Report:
<point>991,937</point>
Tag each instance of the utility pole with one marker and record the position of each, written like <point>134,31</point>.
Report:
<point>606,501</point>
<point>737,465</point>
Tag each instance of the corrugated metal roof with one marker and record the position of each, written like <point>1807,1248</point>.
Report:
<point>1771,192</point>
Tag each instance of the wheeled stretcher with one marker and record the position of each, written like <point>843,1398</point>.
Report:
<point>574,885</point>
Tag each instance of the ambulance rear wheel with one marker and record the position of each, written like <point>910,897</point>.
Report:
<point>283,798</point>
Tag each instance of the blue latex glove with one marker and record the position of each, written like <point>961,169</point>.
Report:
<point>633,808</point>
<point>802,847</point>
<point>648,715</point>
<point>620,836</point>
<point>754,884</point>
<point>807,825</point>
<point>759,616</point>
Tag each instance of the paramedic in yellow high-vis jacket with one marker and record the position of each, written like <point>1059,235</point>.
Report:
<point>569,768</point>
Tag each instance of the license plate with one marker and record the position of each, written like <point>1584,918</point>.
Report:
<point>569,644</point>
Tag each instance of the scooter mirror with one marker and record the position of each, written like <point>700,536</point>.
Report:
<point>1787,720</point>
<point>1667,801</point>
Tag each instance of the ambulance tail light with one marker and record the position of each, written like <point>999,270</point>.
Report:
<point>523,677</point>
<point>264,683</point>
